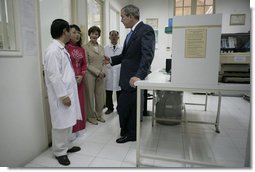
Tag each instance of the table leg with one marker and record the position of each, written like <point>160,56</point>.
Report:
<point>153,108</point>
<point>217,122</point>
<point>138,132</point>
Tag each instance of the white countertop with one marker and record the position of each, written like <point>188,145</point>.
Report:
<point>161,80</point>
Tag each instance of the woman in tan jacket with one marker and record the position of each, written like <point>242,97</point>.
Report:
<point>95,78</point>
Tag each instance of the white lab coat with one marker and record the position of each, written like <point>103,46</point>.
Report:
<point>60,81</point>
<point>112,72</point>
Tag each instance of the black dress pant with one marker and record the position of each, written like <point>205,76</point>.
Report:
<point>109,102</point>
<point>127,112</point>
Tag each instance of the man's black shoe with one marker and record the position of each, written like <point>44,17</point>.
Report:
<point>108,111</point>
<point>63,160</point>
<point>74,149</point>
<point>125,139</point>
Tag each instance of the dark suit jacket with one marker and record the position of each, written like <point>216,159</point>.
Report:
<point>136,56</point>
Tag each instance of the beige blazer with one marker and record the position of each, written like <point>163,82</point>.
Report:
<point>95,59</point>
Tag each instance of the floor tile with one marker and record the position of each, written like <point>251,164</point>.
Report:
<point>128,164</point>
<point>101,162</point>
<point>46,159</point>
<point>79,160</point>
<point>91,148</point>
<point>113,153</point>
<point>131,156</point>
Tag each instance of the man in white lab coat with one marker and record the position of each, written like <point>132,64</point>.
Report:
<point>62,91</point>
<point>112,72</point>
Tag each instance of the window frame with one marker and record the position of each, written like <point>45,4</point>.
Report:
<point>101,4</point>
<point>16,17</point>
<point>194,6</point>
<point>115,19</point>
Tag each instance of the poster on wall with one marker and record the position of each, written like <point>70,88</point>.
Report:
<point>153,22</point>
<point>237,19</point>
<point>195,43</point>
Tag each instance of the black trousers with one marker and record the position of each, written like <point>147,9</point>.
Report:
<point>109,102</point>
<point>127,112</point>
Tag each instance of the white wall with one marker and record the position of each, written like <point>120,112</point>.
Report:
<point>228,7</point>
<point>163,9</point>
<point>22,123</point>
<point>118,5</point>
<point>82,19</point>
<point>48,13</point>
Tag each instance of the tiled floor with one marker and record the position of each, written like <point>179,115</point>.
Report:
<point>199,142</point>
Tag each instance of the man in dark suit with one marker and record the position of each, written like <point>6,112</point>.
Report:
<point>135,59</point>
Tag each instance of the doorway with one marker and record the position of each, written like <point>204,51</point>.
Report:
<point>48,13</point>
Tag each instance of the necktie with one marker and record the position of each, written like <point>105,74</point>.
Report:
<point>114,47</point>
<point>128,36</point>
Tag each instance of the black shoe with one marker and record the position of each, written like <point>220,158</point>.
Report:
<point>125,139</point>
<point>108,111</point>
<point>146,113</point>
<point>123,132</point>
<point>74,149</point>
<point>63,160</point>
